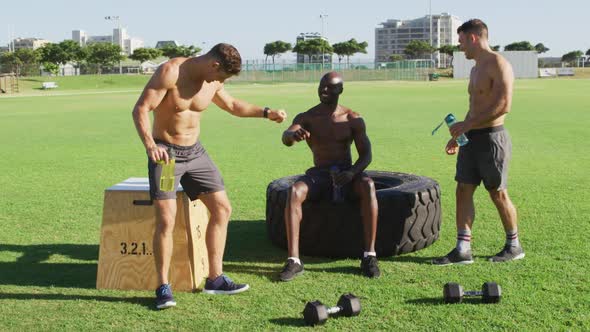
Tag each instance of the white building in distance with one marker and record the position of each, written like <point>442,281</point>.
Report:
<point>119,37</point>
<point>394,35</point>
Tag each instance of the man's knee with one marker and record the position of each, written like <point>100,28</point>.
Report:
<point>166,215</point>
<point>222,210</point>
<point>297,193</point>
<point>464,189</point>
<point>499,196</point>
<point>366,187</point>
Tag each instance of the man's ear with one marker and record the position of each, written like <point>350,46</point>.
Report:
<point>215,65</point>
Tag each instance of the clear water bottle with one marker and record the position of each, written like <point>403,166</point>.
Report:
<point>336,189</point>
<point>167,176</point>
<point>450,120</point>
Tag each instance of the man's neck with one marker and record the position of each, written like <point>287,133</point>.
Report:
<point>482,53</point>
<point>329,108</point>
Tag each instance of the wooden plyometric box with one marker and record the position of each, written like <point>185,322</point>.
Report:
<point>126,259</point>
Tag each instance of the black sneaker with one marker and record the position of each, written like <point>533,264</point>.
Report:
<point>454,257</point>
<point>509,253</point>
<point>223,285</point>
<point>369,267</point>
<point>164,298</point>
<point>291,270</point>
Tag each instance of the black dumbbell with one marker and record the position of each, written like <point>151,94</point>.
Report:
<point>490,291</point>
<point>316,313</point>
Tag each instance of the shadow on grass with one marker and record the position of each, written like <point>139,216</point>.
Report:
<point>147,302</point>
<point>439,301</point>
<point>247,243</point>
<point>30,269</point>
<point>288,321</point>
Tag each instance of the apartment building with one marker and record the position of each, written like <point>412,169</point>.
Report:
<point>394,35</point>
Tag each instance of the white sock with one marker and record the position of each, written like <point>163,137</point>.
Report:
<point>512,238</point>
<point>369,253</point>
<point>295,259</point>
<point>464,240</point>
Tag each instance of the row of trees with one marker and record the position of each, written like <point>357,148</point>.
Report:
<point>93,58</point>
<point>313,47</point>
<point>418,49</point>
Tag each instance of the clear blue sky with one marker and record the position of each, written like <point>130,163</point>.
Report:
<point>560,25</point>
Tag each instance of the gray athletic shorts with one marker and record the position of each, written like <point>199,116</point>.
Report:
<point>319,183</point>
<point>485,158</point>
<point>194,170</point>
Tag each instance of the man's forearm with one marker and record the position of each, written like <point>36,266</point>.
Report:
<point>246,110</point>
<point>142,123</point>
<point>361,164</point>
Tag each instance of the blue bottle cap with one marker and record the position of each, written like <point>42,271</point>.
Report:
<point>449,118</point>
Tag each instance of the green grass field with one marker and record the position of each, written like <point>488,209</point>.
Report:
<point>61,152</point>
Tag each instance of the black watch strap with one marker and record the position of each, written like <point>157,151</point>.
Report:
<point>265,112</point>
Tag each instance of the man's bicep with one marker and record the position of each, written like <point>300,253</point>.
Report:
<point>503,80</point>
<point>223,99</point>
<point>359,131</point>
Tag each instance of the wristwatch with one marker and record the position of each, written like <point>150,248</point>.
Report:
<point>265,112</point>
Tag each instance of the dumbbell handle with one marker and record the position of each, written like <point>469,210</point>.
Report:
<point>334,310</point>
<point>472,293</point>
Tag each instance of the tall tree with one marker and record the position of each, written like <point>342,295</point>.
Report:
<point>540,48</point>
<point>10,62</point>
<point>418,49</point>
<point>75,53</point>
<point>51,56</point>
<point>172,51</point>
<point>588,52</point>
<point>449,50</point>
<point>276,48</point>
<point>519,46</point>
<point>348,48</point>
<point>144,54</point>
<point>30,61</point>
<point>104,55</point>
<point>313,47</point>
<point>572,56</point>
<point>395,57</point>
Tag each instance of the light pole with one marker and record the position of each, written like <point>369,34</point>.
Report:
<point>322,17</point>
<point>119,36</point>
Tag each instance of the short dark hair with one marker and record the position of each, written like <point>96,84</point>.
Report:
<point>474,26</point>
<point>228,56</point>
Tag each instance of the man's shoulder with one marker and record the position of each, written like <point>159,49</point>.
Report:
<point>352,115</point>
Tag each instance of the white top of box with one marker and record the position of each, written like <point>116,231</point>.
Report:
<point>135,184</point>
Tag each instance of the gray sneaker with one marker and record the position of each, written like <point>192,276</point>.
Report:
<point>509,253</point>
<point>454,257</point>
<point>291,270</point>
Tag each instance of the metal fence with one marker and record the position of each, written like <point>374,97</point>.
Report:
<point>407,70</point>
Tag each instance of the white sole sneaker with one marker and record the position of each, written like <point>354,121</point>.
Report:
<point>222,292</point>
<point>166,305</point>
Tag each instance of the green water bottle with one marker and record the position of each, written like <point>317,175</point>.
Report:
<point>167,176</point>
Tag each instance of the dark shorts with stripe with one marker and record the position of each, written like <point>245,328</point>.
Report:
<point>194,170</point>
<point>485,158</point>
<point>319,183</point>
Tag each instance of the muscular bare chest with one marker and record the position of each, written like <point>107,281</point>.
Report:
<point>190,97</point>
<point>328,130</point>
<point>480,83</point>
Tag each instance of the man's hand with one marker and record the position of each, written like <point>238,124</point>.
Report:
<point>157,153</point>
<point>343,178</point>
<point>452,147</point>
<point>459,128</point>
<point>300,135</point>
<point>277,116</point>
